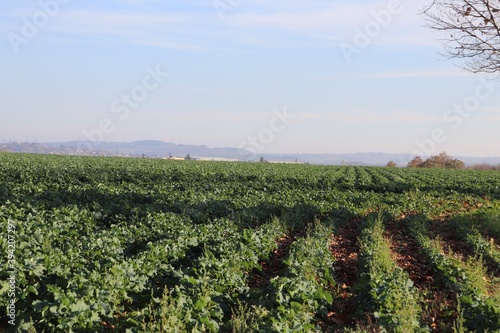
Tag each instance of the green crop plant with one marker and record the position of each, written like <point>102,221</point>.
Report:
<point>99,240</point>
<point>465,278</point>
<point>393,299</point>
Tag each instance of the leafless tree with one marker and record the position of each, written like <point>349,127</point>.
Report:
<point>472,30</point>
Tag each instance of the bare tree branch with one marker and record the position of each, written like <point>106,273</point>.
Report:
<point>472,30</point>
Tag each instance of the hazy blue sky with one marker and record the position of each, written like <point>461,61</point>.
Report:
<point>73,70</point>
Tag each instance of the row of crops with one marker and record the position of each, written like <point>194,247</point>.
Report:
<point>145,245</point>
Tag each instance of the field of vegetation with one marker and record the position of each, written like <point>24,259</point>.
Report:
<point>145,245</point>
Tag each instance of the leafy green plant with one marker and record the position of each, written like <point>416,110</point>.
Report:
<point>465,278</point>
<point>393,299</point>
<point>100,239</point>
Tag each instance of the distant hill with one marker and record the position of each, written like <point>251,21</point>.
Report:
<point>361,159</point>
<point>160,149</point>
<point>153,148</point>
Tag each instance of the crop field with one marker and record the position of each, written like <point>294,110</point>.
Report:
<point>147,245</point>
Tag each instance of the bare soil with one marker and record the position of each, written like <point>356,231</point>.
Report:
<point>439,304</point>
<point>345,249</point>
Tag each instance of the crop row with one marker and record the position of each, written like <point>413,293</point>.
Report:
<point>394,301</point>
<point>466,278</point>
<point>155,246</point>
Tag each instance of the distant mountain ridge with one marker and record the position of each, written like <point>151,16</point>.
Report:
<point>154,148</point>
<point>160,149</point>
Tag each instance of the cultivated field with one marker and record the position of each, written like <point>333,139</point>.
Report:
<point>144,245</point>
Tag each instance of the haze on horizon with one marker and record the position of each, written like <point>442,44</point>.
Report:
<point>282,77</point>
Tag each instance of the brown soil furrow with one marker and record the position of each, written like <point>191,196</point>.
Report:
<point>345,249</point>
<point>438,301</point>
<point>272,266</point>
<point>449,238</point>
<point>406,253</point>
<point>458,247</point>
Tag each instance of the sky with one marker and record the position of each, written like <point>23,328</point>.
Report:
<point>291,76</point>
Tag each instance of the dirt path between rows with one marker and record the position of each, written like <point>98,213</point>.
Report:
<point>437,301</point>
<point>406,253</point>
<point>345,249</point>
<point>272,266</point>
<point>443,230</point>
<point>459,248</point>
